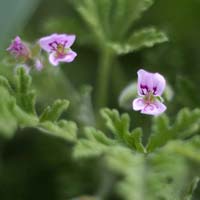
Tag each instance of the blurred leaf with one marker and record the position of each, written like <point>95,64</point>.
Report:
<point>147,37</point>
<point>5,83</point>
<point>127,95</point>
<point>52,113</point>
<point>18,109</point>
<point>119,126</point>
<point>187,124</point>
<point>8,122</point>
<point>160,132</point>
<point>168,93</point>
<point>134,139</point>
<point>192,188</point>
<point>126,12</point>
<point>89,12</point>
<point>63,129</point>
<point>95,144</point>
<point>24,94</point>
<point>189,149</point>
<point>69,25</point>
<point>85,112</point>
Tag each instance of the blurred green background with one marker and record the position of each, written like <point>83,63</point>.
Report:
<point>34,166</point>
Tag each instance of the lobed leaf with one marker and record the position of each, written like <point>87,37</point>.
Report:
<point>52,113</point>
<point>25,96</point>
<point>186,125</point>
<point>63,129</point>
<point>147,37</point>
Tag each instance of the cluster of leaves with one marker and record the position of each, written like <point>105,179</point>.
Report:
<point>109,24</point>
<point>17,109</point>
<point>161,169</point>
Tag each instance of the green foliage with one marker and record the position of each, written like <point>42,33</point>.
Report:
<point>120,125</point>
<point>25,96</point>
<point>109,21</point>
<point>192,188</point>
<point>52,113</point>
<point>189,149</point>
<point>114,162</point>
<point>18,110</point>
<point>161,174</point>
<point>147,37</point>
<point>187,124</point>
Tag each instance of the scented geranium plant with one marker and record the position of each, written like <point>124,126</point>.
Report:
<point>126,164</point>
<point>58,142</point>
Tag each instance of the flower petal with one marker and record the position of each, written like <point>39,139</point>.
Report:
<point>69,57</point>
<point>138,104</point>
<point>53,60</point>
<point>159,83</point>
<point>145,80</point>
<point>153,82</point>
<point>155,108</point>
<point>69,39</point>
<point>45,41</point>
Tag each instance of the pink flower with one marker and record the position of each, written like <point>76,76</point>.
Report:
<point>19,49</point>
<point>150,88</point>
<point>58,47</point>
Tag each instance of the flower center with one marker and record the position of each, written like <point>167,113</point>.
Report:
<point>149,98</point>
<point>59,49</point>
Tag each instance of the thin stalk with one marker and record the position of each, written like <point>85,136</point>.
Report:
<point>103,76</point>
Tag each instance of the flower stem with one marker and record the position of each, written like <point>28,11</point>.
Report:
<point>103,76</point>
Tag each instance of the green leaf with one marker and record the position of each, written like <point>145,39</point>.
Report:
<point>119,125</point>
<point>85,112</point>
<point>187,124</point>
<point>97,136</point>
<point>189,149</point>
<point>5,83</point>
<point>134,139</point>
<point>127,95</point>
<point>52,113</point>
<point>89,12</point>
<point>8,122</point>
<point>63,129</point>
<point>71,24</point>
<point>168,93</point>
<point>125,13</point>
<point>192,188</point>
<point>25,96</point>
<point>160,132</point>
<point>147,37</point>
<point>155,177</point>
<point>166,177</point>
<point>95,144</point>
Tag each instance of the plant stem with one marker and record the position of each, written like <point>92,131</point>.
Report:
<point>103,77</point>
